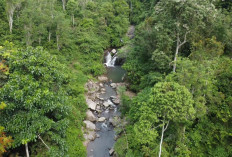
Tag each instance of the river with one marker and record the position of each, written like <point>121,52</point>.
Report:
<point>101,146</point>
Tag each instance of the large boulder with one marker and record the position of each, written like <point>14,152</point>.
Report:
<point>90,125</point>
<point>102,78</point>
<point>116,101</point>
<point>101,85</point>
<point>90,116</point>
<point>101,119</point>
<point>103,89</point>
<point>115,121</point>
<point>113,85</point>
<point>91,105</point>
<point>111,152</point>
<point>91,136</point>
<point>106,104</point>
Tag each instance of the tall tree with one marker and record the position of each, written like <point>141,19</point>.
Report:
<point>37,101</point>
<point>11,5</point>
<point>171,102</point>
<point>63,4</point>
<point>186,19</point>
<point>72,8</point>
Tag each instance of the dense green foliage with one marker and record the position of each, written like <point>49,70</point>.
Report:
<point>57,46</point>
<point>179,63</point>
<point>188,106</point>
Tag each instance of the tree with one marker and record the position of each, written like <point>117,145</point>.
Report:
<point>11,5</point>
<point>186,18</point>
<point>4,140</point>
<point>62,30</point>
<point>36,98</point>
<point>156,109</point>
<point>197,74</point>
<point>171,102</point>
<point>72,8</point>
<point>63,4</point>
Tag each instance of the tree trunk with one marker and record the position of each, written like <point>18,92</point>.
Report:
<point>39,40</point>
<point>43,142</point>
<point>28,34</point>
<point>164,128</point>
<point>28,38</point>
<point>178,46</point>
<point>176,54</point>
<point>49,36</point>
<point>10,6</point>
<point>27,151</point>
<point>183,133</point>
<point>64,2</point>
<point>57,42</point>
<point>73,20</point>
<point>131,10</point>
<point>11,14</point>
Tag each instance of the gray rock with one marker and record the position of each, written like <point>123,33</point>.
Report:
<point>113,97</point>
<point>98,107</point>
<point>99,111</point>
<point>102,78</point>
<point>114,121</point>
<point>91,136</point>
<point>90,125</point>
<point>102,119</point>
<point>116,101</point>
<point>111,152</point>
<point>114,51</point>
<point>91,105</point>
<point>103,89</point>
<point>116,137</point>
<point>106,104</point>
<point>113,85</point>
<point>90,116</point>
<point>101,85</point>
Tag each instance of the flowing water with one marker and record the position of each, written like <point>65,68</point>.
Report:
<point>110,60</point>
<point>100,146</point>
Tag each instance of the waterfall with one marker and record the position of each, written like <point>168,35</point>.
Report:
<point>110,61</point>
<point>113,60</point>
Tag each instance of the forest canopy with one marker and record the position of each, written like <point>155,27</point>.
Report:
<point>178,63</point>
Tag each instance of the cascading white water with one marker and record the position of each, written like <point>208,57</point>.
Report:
<point>110,61</point>
<point>111,104</point>
<point>113,60</point>
<point>104,125</point>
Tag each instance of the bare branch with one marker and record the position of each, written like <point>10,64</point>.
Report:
<point>166,126</point>
<point>43,142</point>
<point>185,39</point>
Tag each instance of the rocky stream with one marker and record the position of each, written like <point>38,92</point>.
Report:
<point>103,102</point>
<point>102,116</point>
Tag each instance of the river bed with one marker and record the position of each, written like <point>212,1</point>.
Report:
<point>101,146</point>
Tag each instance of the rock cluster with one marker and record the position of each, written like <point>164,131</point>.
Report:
<point>96,104</point>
